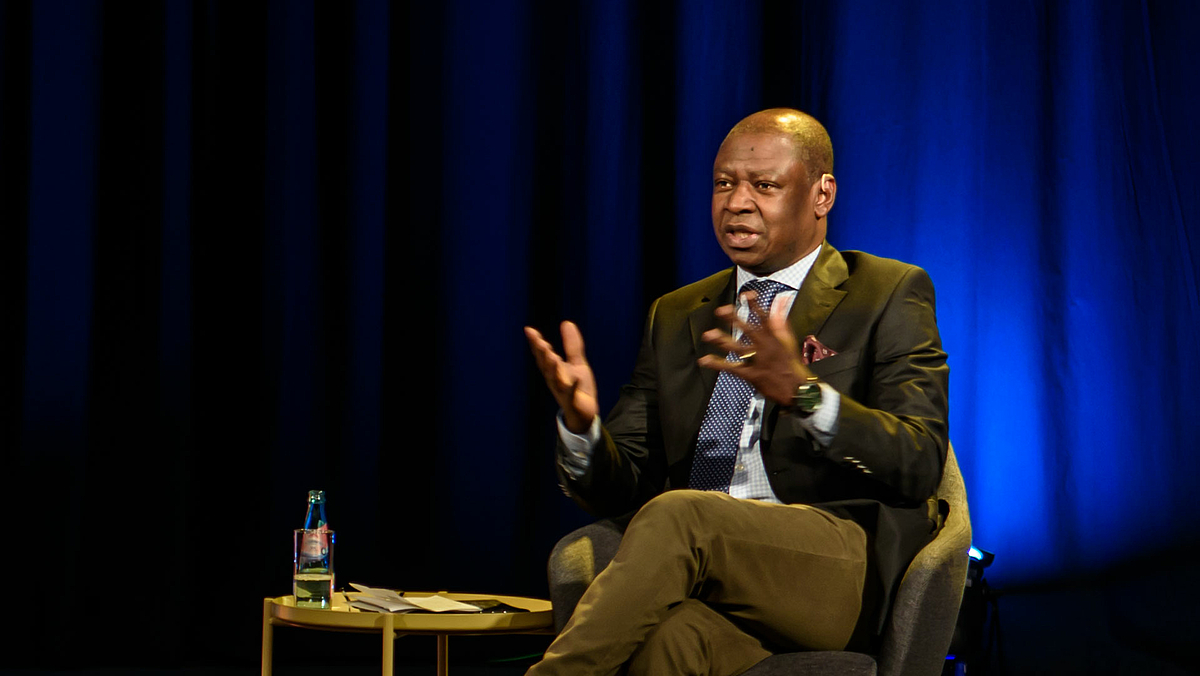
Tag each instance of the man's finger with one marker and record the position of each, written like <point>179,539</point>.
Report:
<point>552,366</point>
<point>730,315</point>
<point>751,299</point>
<point>538,345</point>
<point>725,342</point>
<point>573,343</point>
<point>781,330</point>
<point>779,306</point>
<point>536,341</point>
<point>710,362</point>
<point>737,368</point>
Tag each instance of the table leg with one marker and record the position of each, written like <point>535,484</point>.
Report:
<point>443,648</point>
<point>268,638</point>
<point>389,642</point>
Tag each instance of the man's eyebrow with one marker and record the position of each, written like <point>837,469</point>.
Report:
<point>752,174</point>
<point>763,173</point>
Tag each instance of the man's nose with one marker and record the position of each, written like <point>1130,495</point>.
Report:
<point>742,198</point>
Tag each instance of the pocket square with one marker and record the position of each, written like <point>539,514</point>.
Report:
<point>813,351</point>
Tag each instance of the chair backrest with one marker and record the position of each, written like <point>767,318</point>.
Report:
<point>925,610</point>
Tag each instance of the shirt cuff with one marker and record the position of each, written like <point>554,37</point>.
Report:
<point>575,454</point>
<point>822,424</point>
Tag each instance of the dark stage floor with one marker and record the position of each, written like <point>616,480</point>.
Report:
<point>326,670</point>
<point>306,653</point>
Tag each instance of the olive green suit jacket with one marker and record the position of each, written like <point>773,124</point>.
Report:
<point>886,457</point>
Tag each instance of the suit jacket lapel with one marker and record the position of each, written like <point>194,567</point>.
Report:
<point>819,294</point>
<point>701,319</point>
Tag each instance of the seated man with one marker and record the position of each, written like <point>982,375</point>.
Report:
<point>782,488</point>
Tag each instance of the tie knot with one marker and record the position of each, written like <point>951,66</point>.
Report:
<point>766,289</point>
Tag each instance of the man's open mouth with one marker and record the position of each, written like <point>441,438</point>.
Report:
<point>741,238</point>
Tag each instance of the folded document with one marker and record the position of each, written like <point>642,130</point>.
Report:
<point>378,600</point>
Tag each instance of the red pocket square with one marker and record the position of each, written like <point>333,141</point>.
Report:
<point>813,351</point>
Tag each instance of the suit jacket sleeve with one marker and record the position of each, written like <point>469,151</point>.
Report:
<point>901,430</point>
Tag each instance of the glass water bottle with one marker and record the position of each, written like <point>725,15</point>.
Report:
<point>312,574</point>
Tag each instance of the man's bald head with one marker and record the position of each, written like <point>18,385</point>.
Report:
<point>812,143</point>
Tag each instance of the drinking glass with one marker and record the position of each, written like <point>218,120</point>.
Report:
<point>312,569</point>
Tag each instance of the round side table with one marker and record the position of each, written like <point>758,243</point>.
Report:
<point>282,611</point>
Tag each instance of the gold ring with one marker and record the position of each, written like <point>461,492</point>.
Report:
<point>749,355</point>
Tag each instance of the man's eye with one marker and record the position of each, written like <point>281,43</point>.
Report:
<point>762,185</point>
<point>720,183</point>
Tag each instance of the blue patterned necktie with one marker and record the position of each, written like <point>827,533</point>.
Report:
<point>721,431</point>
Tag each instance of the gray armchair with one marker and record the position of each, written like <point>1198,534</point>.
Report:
<point>919,629</point>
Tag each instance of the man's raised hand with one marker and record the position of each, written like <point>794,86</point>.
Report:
<point>775,367</point>
<point>570,380</point>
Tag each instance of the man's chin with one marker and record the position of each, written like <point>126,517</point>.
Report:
<point>749,261</point>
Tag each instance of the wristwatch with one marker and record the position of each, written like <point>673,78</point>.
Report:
<point>807,398</point>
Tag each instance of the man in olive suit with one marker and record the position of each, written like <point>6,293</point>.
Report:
<point>780,439</point>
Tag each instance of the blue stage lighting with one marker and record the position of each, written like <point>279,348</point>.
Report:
<point>980,559</point>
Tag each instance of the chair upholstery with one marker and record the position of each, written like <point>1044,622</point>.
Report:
<point>575,562</point>
<point>919,629</point>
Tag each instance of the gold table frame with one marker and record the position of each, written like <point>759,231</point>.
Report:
<point>281,611</point>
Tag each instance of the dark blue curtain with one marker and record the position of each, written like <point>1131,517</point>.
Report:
<point>255,248</point>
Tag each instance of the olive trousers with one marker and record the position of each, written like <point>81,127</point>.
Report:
<point>706,584</point>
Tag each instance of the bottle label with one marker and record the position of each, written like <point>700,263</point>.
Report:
<point>315,543</point>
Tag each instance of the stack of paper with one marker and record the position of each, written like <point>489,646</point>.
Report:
<point>387,601</point>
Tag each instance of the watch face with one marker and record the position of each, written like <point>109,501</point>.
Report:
<point>808,398</point>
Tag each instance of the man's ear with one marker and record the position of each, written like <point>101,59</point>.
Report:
<point>826,188</point>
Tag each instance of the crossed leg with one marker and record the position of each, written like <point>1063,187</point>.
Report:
<point>695,639</point>
<point>784,577</point>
